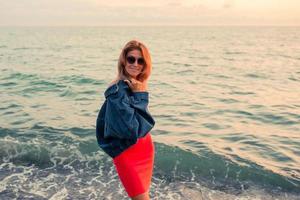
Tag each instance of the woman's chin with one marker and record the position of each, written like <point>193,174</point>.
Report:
<point>133,75</point>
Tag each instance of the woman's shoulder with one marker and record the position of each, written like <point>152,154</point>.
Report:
<point>120,82</point>
<point>115,86</point>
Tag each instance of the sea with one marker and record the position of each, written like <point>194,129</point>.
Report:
<point>226,101</point>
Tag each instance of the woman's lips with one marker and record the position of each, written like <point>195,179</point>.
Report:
<point>134,69</point>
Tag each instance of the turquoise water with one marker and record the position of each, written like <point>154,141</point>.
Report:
<point>225,100</point>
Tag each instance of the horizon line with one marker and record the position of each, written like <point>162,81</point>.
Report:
<point>149,25</point>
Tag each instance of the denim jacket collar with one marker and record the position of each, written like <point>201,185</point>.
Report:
<point>113,89</point>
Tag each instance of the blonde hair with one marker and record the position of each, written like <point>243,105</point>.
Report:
<point>147,68</point>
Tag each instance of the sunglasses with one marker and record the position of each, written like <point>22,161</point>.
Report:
<point>131,60</point>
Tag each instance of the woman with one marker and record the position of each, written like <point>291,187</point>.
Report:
<point>124,122</point>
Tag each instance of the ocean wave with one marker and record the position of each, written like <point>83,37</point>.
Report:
<point>67,157</point>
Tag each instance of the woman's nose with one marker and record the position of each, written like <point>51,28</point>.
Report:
<point>135,63</point>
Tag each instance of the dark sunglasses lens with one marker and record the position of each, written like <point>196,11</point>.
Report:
<point>141,61</point>
<point>130,59</point>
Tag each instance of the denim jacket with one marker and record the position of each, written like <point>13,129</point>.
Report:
<point>122,119</point>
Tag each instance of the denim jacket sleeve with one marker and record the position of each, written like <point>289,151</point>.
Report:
<point>126,116</point>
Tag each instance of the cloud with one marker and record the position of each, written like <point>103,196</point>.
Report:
<point>228,4</point>
<point>174,3</point>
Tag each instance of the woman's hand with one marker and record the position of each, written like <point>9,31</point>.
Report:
<point>137,86</point>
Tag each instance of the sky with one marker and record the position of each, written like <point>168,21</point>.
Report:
<point>146,12</point>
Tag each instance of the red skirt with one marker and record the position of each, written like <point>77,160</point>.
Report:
<point>135,166</point>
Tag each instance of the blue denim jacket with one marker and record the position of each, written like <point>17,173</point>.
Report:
<point>122,119</point>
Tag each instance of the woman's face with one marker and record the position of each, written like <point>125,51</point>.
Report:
<point>134,63</point>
